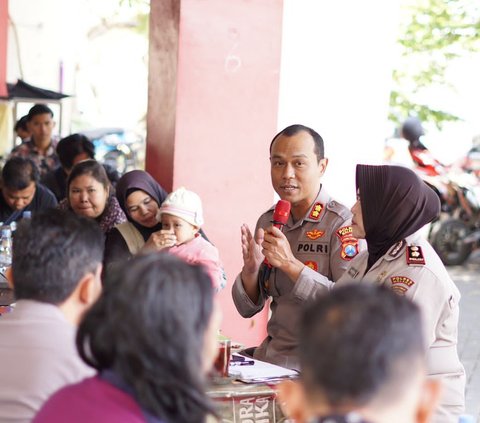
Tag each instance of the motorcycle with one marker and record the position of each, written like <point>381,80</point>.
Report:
<point>456,233</point>
<point>117,147</point>
<point>454,236</point>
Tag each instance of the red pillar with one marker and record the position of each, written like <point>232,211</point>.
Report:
<point>213,101</point>
<point>3,46</point>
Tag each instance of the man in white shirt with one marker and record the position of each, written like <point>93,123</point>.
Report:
<point>56,271</point>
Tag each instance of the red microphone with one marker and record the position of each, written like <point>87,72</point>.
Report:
<point>280,218</point>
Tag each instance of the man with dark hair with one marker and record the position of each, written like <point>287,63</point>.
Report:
<point>21,190</point>
<point>56,271</point>
<point>71,150</point>
<point>317,239</point>
<point>40,147</point>
<point>362,356</point>
<point>21,128</point>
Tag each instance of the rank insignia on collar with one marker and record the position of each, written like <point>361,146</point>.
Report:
<point>415,255</point>
<point>316,211</point>
<point>312,264</point>
<point>315,234</point>
<point>397,248</point>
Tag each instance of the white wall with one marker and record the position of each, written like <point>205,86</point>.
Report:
<point>337,59</point>
<point>105,66</point>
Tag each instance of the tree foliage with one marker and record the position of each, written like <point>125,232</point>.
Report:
<point>433,33</point>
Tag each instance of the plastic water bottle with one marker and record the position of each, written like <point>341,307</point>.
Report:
<point>5,248</point>
<point>466,418</point>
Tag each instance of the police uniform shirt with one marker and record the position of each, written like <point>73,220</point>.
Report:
<point>323,241</point>
<point>413,269</point>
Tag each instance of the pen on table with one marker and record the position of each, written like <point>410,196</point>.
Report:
<point>242,363</point>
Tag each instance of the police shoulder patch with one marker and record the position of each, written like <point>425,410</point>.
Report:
<point>349,249</point>
<point>349,243</point>
<point>312,264</point>
<point>402,280</point>
<point>345,232</point>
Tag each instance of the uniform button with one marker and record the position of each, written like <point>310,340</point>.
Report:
<point>332,204</point>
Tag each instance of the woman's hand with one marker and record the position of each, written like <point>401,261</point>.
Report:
<point>160,240</point>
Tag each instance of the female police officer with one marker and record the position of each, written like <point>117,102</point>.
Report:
<point>392,205</point>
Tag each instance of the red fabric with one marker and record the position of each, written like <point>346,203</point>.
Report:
<point>94,401</point>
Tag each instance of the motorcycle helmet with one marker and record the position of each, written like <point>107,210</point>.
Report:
<point>412,129</point>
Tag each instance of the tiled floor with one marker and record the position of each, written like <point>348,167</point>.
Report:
<point>467,278</point>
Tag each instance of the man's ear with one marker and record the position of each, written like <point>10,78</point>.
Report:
<point>291,395</point>
<point>322,164</point>
<point>429,400</point>
<point>89,286</point>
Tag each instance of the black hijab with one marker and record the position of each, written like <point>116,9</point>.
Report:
<point>395,203</point>
<point>139,180</point>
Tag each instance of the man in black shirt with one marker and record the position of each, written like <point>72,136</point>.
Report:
<point>21,191</point>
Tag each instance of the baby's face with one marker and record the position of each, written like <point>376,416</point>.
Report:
<point>183,230</point>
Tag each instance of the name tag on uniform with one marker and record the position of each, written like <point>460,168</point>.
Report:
<point>353,272</point>
<point>312,247</point>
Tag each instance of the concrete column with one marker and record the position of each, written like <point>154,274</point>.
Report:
<point>213,101</point>
<point>3,46</point>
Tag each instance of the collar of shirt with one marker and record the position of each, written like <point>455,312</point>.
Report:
<point>30,145</point>
<point>399,248</point>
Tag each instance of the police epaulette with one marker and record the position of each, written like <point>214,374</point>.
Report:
<point>339,209</point>
<point>415,255</point>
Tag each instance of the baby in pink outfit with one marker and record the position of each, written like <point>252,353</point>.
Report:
<point>181,215</point>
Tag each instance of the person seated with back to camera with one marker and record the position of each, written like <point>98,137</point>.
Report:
<point>56,268</point>
<point>361,350</point>
<point>181,215</point>
<point>90,194</point>
<point>21,190</point>
<point>152,340</point>
<point>71,150</point>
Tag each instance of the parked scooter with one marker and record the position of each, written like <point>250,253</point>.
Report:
<point>457,231</point>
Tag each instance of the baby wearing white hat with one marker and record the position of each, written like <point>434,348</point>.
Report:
<point>181,215</point>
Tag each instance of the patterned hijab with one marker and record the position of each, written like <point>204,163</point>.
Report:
<point>395,204</point>
<point>111,216</point>
<point>139,180</point>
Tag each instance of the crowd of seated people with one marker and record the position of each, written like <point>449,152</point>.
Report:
<point>115,283</point>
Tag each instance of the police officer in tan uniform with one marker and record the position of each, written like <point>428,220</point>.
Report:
<point>392,205</point>
<point>316,239</point>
